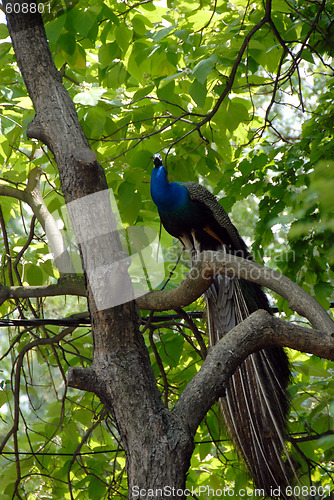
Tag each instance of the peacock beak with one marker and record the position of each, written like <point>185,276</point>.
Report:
<point>157,160</point>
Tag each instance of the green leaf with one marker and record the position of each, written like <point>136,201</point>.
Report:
<point>67,42</point>
<point>90,97</point>
<point>307,56</point>
<point>4,33</point>
<point>198,93</point>
<point>182,34</point>
<point>85,19</point>
<point>138,64</point>
<point>117,75</point>
<point>33,274</point>
<point>159,35</point>
<point>281,6</point>
<point>94,122</point>
<point>4,397</point>
<point>171,349</point>
<point>139,24</point>
<point>123,36</point>
<point>323,290</point>
<point>54,28</point>
<point>77,60</point>
<point>169,91</point>
<point>203,68</point>
<point>199,18</point>
<point>129,202</point>
<point>236,113</point>
<point>326,443</point>
<point>143,92</point>
<point>96,488</point>
<point>48,268</point>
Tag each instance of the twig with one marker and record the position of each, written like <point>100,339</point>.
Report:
<point>160,366</point>
<point>194,329</point>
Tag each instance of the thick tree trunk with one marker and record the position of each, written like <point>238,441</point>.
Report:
<point>157,443</point>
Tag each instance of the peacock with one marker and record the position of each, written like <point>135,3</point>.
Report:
<point>256,403</point>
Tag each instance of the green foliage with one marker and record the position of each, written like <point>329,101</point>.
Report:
<point>145,79</point>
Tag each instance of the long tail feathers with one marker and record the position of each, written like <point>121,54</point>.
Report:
<point>256,403</point>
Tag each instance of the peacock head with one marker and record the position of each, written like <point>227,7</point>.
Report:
<point>157,160</point>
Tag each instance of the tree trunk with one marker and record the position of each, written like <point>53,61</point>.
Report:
<point>157,443</point>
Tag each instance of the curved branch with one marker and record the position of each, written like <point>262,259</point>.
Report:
<point>211,263</point>
<point>33,197</point>
<point>190,289</point>
<point>19,362</point>
<point>17,193</point>
<point>260,330</point>
<point>195,284</point>
<point>71,285</point>
<point>48,223</point>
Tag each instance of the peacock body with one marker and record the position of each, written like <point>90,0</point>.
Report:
<point>256,403</point>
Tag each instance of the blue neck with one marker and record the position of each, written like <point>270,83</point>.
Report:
<point>168,196</point>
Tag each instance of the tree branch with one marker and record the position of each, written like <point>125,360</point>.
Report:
<point>237,61</point>
<point>211,263</point>
<point>54,236</point>
<point>83,378</point>
<point>19,362</point>
<point>260,330</point>
<point>69,285</point>
<point>33,197</point>
<point>195,284</point>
